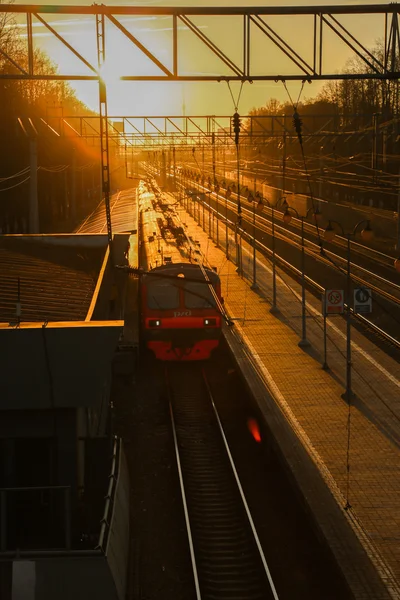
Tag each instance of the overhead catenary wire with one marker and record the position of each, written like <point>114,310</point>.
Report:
<point>19,174</point>
<point>235,102</point>
<point>16,185</point>
<point>57,169</point>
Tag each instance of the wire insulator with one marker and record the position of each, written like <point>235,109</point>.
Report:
<point>236,123</point>
<point>298,124</point>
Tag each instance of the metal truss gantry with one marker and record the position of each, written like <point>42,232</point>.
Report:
<point>255,23</point>
<point>153,132</point>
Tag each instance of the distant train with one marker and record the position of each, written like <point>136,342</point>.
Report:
<point>181,301</point>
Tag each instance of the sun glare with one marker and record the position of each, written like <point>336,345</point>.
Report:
<point>110,73</point>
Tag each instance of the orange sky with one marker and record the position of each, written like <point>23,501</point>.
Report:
<point>143,98</point>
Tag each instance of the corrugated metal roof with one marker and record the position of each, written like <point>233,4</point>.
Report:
<point>123,215</point>
<point>56,282</point>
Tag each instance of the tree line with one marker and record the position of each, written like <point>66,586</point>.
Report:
<point>66,166</point>
<point>350,134</point>
<point>355,101</point>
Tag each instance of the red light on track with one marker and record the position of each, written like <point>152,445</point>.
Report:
<point>254,429</point>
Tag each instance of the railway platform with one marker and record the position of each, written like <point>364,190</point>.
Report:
<point>344,456</point>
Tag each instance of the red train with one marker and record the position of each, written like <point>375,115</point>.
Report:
<point>180,298</point>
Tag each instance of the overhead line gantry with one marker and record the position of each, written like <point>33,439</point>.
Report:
<point>255,21</point>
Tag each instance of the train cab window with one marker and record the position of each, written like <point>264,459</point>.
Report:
<point>198,295</point>
<point>162,295</point>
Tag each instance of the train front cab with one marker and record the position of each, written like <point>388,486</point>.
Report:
<point>180,318</point>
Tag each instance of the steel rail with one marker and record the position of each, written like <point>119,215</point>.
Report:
<point>376,255</point>
<point>316,253</point>
<point>389,214</point>
<point>361,247</point>
<point>317,256</point>
<point>311,229</point>
<point>377,330</point>
<point>313,249</point>
<point>233,544</point>
<point>246,506</point>
<point>183,493</point>
<point>313,284</point>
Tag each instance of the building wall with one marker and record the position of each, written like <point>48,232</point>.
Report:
<point>62,365</point>
<point>63,579</point>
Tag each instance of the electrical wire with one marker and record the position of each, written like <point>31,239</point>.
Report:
<point>235,103</point>
<point>19,174</point>
<point>58,169</point>
<point>14,186</point>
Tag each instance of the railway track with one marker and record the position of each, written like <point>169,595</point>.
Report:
<point>227,558</point>
<point>361,251</point>
<point>336,250</point>
<point>221,168</point>
<point>368,267</point>
<point>386,287</point>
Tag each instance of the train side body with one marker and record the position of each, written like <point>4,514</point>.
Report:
<point>180,299</point>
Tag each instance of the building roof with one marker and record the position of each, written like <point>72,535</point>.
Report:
<point>123,215</point>
<point>56,281</point>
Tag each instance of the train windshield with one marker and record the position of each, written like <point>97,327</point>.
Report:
<point>162,295</point>
<point>198,295</point>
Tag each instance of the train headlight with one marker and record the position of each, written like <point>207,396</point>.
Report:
<point>210,322</point>
<point>154,323</point>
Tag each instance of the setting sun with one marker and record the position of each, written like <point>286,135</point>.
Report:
<point>109,73</point>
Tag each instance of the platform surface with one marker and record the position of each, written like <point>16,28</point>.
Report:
<point>360,466</point>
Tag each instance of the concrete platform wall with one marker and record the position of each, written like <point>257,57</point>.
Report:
<point>61,365</point>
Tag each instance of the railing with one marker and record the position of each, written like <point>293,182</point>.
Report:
<point>108,508</point>
<point>48,510</point>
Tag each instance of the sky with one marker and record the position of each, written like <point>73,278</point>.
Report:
<point>194,98</point>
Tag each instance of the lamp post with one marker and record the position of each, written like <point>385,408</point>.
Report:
<point>260,206</point>
<point>185,188</point>
<point>217,188</point>
<point>198,200</point>
<point>284,155</point>
<point>366,235</point>
<point>193,197</point>
<point>228,194</point>
<point>238,235</point>
<point>209,214</point>
<point>203,199</point>
<point>287,217</point>
<point>252,199</point>
<point>321,172</point>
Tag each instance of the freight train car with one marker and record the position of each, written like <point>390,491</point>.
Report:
<point>181,302</point>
